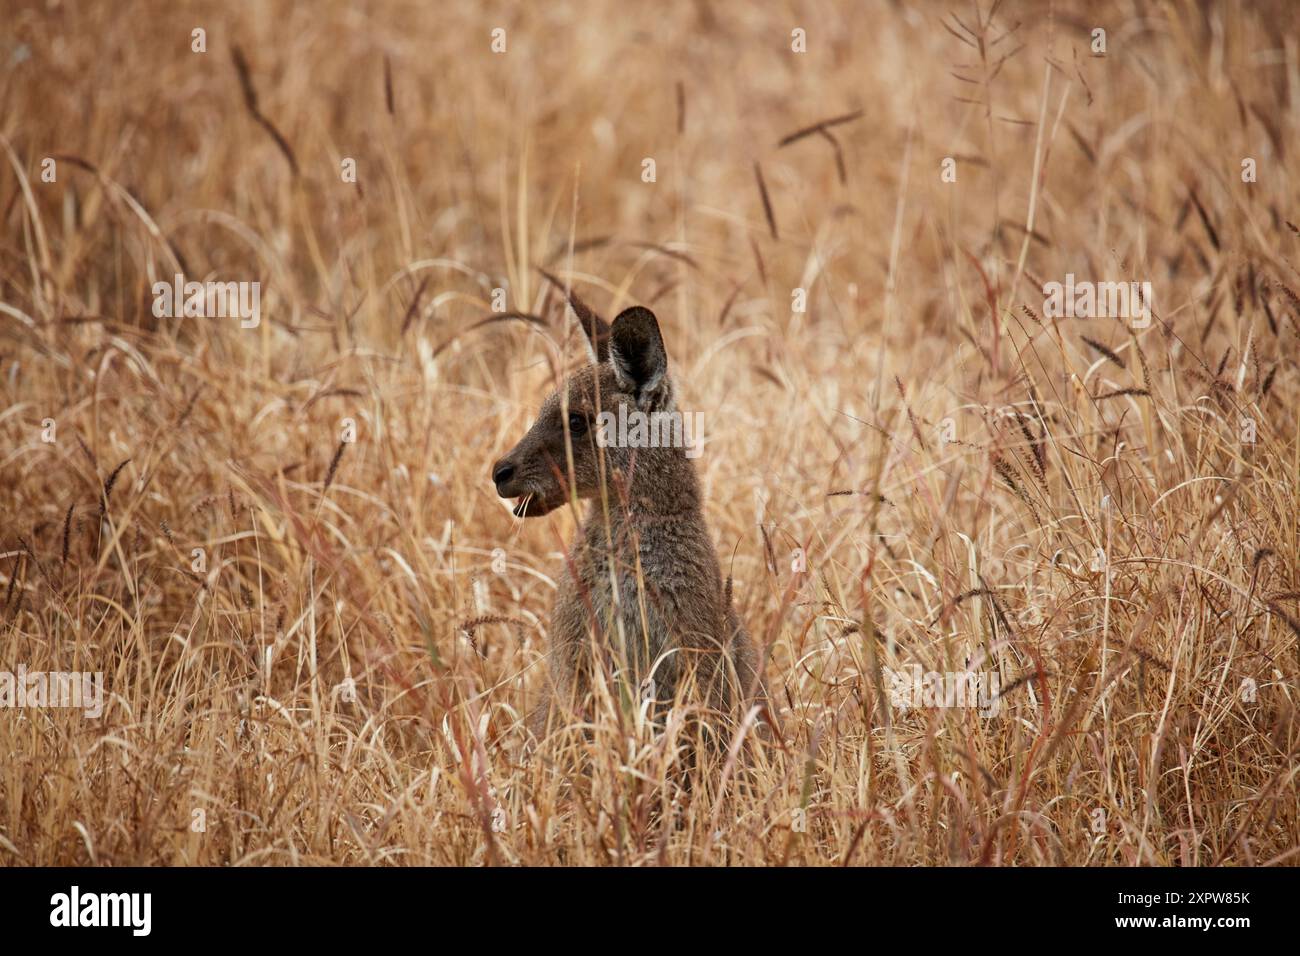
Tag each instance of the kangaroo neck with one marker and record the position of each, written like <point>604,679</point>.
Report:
<point>655,489</point>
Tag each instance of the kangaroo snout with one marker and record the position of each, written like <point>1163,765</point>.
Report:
<point>516,476</point>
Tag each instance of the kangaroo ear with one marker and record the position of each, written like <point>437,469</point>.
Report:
<point>636,350</point>
<point>596,328</point>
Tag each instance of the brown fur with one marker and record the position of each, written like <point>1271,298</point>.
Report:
<point>642,589</point>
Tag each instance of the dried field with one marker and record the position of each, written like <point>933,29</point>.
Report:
<point>318,626</point>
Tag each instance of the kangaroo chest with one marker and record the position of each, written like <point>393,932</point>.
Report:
<point>620,594</point>
<point>647,588</point>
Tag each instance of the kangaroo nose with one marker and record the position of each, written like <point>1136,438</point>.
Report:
<point>502,472</point>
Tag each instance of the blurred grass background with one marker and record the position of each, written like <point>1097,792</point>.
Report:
<point>232,734</point>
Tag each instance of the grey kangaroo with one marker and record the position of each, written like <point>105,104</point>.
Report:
<point>642,588</point>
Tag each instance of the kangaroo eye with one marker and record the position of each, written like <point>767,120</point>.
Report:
<point>577,424</point>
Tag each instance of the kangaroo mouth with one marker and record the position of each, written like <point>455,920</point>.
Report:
<point>532,505</point>
<point>532,498</point>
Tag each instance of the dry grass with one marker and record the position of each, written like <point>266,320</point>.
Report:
<point>1124,736</point>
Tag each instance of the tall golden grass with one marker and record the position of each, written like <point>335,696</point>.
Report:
<point>340,678</point>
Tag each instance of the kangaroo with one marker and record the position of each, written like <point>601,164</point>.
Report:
<point>642,588</point>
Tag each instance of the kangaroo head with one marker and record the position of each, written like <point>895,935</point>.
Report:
<point>630,371</point>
